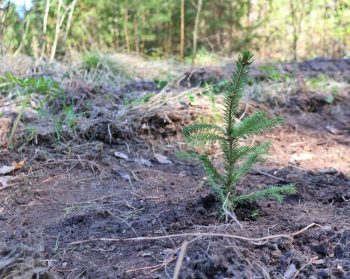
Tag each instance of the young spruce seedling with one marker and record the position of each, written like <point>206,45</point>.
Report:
<point>238,158</point>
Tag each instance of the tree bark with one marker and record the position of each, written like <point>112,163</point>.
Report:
<point>195,31</point>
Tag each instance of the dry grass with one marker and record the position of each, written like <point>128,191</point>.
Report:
<point>22,262</point>
<point>171,110</point>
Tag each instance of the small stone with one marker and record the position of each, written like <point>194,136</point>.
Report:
<point>64,265</point>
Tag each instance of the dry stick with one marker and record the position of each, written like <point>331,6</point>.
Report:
<point>272,176</point>
<point>311,261</point>
<point>5,187</point>
<point>147,267</point>
<point>256,240</point>
<point>180,260</point>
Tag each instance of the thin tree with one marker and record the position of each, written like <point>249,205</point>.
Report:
<point>136,35</point>
<point>57,30</point>
<point>3,14</point>
<point>44,38</point>
<point>195,31</point>
<point>70,19</point>
<point>26,28</point>
<point>182,31</point>
<point>126,30</point>
<point>297,14</point>
<point>59,22</point>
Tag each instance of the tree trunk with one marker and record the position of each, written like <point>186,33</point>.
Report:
<point>57,31</point>
<point>169,37</point>
<point>44,36</point>
<point>195,31</point>
<point>136,36</point>
<point>116,32</point>
<point>3,13</point>
<point>24,36</point>
<point>295,34</point>
<point>69,22</point>
<point>126,30</point>
<point>143,20</point>
<point>182,31</point>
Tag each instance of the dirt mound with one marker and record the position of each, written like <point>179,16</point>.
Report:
<point>201,76</point>
<point>337,68</point>
<point>303,102</point>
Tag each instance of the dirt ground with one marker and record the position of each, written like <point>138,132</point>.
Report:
<point>71,210</point>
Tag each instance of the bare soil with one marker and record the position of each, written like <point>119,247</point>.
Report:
<point>75,203</point>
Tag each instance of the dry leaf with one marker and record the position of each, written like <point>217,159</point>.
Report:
<point>15,166</point>
<point>162,159</point>
<point>121,155</point>
<point>18,165</point>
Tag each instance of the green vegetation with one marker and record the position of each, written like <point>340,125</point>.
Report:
<point>272,73</point>
<point>93,60</point>
<point>326,85</point>
<point>278,29</point>
<point>99,70</point>
<point>97,61</point>
<point>37,93</point>
<point>238,158</point>
<point>22,90</point>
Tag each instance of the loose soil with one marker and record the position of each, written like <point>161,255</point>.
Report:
<point>76,191</point>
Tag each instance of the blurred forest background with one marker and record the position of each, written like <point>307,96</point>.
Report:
<point>273,29</point>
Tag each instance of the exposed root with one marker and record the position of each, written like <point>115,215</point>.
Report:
<point>255,241</point>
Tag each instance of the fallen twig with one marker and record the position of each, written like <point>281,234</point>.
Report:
<point>272,176</point>
<point>180,260</point>
<point>5,187</point>
<point>199,234</point>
